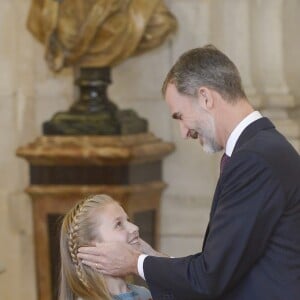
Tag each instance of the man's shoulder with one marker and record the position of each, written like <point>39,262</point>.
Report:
<point>270,145</point>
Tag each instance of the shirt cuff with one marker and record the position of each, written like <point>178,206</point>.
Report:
<point>140,265</point>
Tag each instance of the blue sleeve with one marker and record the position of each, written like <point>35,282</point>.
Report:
<point>141,292</point>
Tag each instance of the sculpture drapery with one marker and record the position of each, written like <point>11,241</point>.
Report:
<point>98,33</point>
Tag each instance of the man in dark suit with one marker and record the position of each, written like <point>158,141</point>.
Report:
<point>251,249</point>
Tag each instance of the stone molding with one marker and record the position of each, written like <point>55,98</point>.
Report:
<point>96,150</point>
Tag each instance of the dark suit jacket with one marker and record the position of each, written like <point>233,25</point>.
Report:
<point>252,246</point>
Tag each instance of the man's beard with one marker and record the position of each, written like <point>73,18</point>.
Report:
<point>207,135</point>
<point>211,146</point>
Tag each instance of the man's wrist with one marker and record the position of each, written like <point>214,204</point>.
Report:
<point>140,265</point>
<point>135,262</point>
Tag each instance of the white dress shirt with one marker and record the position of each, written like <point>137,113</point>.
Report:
<point>230,144</point>
<point>237,131</point>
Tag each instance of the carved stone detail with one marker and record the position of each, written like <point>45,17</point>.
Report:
<point>95,150</point>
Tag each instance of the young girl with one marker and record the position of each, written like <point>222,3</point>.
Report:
<point>97,219</point>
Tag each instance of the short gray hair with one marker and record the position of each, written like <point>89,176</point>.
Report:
<point>206,66</point>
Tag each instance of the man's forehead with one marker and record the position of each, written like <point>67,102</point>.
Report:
<point>172,97</point>
<point>171,88</point>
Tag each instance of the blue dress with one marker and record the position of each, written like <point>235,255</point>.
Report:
<point>135,293</point>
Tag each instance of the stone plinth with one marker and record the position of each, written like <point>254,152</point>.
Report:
<point>63,170</point>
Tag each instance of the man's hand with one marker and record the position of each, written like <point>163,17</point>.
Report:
<point>113,258</point>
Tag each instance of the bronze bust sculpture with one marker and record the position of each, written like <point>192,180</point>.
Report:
<point>92,36</point>
<point>98,33</point>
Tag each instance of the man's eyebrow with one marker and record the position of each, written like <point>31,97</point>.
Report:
<point>176,116</point>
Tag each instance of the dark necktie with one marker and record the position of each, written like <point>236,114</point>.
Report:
<point>224,160</point>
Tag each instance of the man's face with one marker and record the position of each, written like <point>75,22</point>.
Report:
<point>193,120</point>
<point>115,226</point>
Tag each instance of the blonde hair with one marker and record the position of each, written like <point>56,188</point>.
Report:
<point>78,229</point>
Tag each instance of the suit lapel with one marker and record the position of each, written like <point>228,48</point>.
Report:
<point>212,210</point>
<point>247,134</point>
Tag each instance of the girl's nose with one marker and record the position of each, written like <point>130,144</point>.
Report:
<point>132,227</point>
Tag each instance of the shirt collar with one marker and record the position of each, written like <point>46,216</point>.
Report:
<point>237,131</point>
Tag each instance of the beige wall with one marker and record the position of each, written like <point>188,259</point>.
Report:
<point>261,36</point>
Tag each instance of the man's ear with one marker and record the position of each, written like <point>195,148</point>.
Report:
<point>205,98</point>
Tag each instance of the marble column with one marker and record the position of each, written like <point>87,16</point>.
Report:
<point>231,32</point>
<point>279,102</point>
<point>16,255</point>
<point>189,171</point>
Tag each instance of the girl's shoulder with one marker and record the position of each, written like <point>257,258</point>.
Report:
<point>140,292</point>
<point>135,292</point>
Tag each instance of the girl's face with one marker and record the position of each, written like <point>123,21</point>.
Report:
<point>115,226</point>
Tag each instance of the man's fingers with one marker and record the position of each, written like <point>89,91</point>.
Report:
<point>94,265</point>
<point>113,258</point>
<point>90,264</point>
<point>97,266</point>
<point>88,257</point>
<point>89,250</point>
